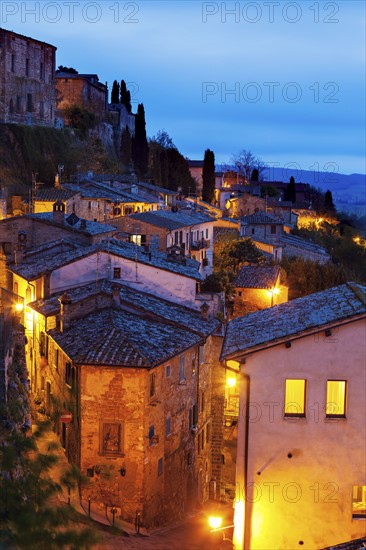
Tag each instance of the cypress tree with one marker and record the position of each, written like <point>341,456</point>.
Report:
<point>208,176</point>
<point>140,150</point>
<point>115,92</point>
<point>290,193</point>
<point>125,96</point>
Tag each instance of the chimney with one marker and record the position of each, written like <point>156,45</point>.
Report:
<point>65,317</point>
<point>116,296</point>
<point>59,212</point>
<point>205,311</point>
<point>57,182</point>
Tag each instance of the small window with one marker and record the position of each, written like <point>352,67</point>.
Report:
<point>359,502</point>
<point>152,384</point>
<point>151,435</point>
<point>41,109</point>
<point>239,293</point>
<point>336,398</point>
<point>69,375</point>
<point>29,103</point>
<point>295,397</point>
<point>201,354</point>
<point>160,467</point>
<point>253,230</point>
<point>193,415</point>
<point>11,106</point>
<point>19,104</point>
<point>167,371</point>
<point>116,273</point>
<point>56,358</point>
<point>273,229</point>
<point>182,375</point>
<point>207,233</point>
<point>168,426</point>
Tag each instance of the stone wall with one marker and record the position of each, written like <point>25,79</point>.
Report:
<point>83,91</point>
<point>27,80</point>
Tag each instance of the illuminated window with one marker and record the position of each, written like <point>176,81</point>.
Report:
<point>336,398</point>
<point>116,273</point>
<point>295,397</point>
<point>359,502</point>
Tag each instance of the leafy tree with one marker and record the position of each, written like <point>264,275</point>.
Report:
<point>125,96</point>
<point>208,176</point>
<point>246,162</point>
<point>29,517</point>
<point>269,191</point>
<point>69,70</point>
<point>126,147</point>
<point>290,193</point>
<point>164,140</point>
<point>80,118</point>
<point>167,166</point>
<point>140,150</point>
<point>115,92</point>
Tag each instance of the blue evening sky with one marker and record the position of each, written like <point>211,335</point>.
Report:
<point>283,79</point>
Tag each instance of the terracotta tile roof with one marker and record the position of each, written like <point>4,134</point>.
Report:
<point>84,226</point>
<point>292,318</point>
<point>357,544</point>
<point>116,337</point>
<point>261,218</point>
<point>173,220</point>
<point>253,276</point>
<point>54,194</point>
<point>138,302</point>
<point>36,267</point>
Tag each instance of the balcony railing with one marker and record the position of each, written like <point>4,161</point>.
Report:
<point>199,245</point>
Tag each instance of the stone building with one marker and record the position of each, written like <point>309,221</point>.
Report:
<point>82,90</point>
<point>135,372</point>
<point>186,229</point>
<point>27,73</point>
<point>258,287</point>
<point>300,464</point>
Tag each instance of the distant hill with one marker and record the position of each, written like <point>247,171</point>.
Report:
<point>349,191</point>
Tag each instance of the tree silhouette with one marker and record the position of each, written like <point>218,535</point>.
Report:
<point>208,176</point>
<point>115,92</point>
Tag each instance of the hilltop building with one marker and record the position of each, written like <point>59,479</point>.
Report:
<point>27,69</point>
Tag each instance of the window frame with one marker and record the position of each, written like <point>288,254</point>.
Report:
<point>336,415</point>
<point>182,369</point>
<point>295,414</point>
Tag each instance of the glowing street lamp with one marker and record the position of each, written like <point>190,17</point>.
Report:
<point>231,382</point>
<point>215,522</point>
<point>273,292</point>
<point>18,307</point>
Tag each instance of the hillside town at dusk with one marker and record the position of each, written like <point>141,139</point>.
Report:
<point>182,357</point>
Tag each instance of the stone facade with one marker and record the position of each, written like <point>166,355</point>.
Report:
<point>82,90</point>
<point>27,69</point>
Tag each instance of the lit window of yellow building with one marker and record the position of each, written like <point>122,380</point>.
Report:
<point>295,397</point>
<point>336,398</point>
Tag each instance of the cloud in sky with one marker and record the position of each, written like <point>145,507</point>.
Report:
<point>286,79</point>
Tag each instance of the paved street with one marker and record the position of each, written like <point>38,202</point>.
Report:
<point>192,534</point>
